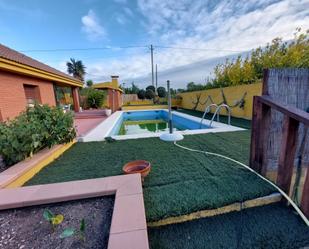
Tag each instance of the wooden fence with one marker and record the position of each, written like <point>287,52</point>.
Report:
<point>278,124</point>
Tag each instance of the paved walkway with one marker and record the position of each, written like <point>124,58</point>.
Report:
<point>84,125</point>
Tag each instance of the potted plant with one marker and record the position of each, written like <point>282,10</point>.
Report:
<point>108,112</point>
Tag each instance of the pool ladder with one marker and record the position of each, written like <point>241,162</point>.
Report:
<point>216,113</point>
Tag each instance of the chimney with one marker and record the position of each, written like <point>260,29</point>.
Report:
<point>115,80</point>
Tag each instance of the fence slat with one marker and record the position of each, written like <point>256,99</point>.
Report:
<point>255,124</point>
<point>305,196</point>
<point>287,153</point>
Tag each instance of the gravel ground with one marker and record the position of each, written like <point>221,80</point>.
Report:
<point>26,228</point>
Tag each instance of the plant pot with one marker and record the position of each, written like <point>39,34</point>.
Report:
<point>139,166</point>
<point>108,112</point>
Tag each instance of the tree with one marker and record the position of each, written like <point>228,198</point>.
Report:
<point>132,90</point>
<point>76,68</point>
<point>149,94</point>
<point>141,94</point>
<point>277,54</point>
<point>194,87</point>
<point>152,88</point>
<point>161,92</point>
<point>89,83</point>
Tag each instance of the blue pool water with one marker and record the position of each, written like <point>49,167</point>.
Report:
<point>139,122</point>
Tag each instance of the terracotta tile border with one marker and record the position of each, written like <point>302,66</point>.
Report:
<point>128,228</point>
<point>21,172</point>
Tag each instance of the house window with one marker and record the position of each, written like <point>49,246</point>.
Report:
<point>32,94</point>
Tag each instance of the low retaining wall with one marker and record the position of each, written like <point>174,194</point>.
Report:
<point>18,174</point>
<point>262,201</point>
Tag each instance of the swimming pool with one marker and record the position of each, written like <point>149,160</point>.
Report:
<point>140,122</point>
<point>151,123</point>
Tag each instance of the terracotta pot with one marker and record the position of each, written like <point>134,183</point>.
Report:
<point>139,166</point>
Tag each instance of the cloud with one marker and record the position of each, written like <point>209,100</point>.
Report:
<point>219,26</point>
<point>121,19</point>
<point>92,27</point>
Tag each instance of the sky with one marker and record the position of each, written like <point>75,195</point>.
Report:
<point>113,37</point>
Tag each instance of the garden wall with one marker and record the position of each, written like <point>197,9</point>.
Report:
<point>239,98</point>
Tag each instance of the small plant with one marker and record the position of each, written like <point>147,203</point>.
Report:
<point>71,231</point>
<point>53,220</point>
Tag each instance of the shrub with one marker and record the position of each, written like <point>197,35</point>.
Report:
<point>92,97</point>
<point>141,94</point>
<point>161,92</point>
<point>149,94</point>
<point>152,88</point>
<point>33,130</point>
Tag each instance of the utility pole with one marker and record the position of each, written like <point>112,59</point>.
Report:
<point>156,77</point>
<point>152,76</point>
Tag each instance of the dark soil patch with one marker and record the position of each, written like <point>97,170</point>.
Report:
<point>26,227</point>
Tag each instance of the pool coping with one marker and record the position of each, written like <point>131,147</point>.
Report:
<point>102,131</point>
<point>128,227</point>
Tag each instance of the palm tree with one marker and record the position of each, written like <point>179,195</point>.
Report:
<point>76,68</point>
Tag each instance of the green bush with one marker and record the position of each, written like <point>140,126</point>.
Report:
<point>149,94</point>
<point>152,88</point>
<point>161,92</point>
<point>33,130</point>
<point>92,98</point>
<point>141,94</point>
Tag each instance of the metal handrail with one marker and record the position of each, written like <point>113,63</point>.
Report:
<point>218,110</point>
<point>207,109</point>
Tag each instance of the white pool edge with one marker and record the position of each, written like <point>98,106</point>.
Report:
<point>102,131</point>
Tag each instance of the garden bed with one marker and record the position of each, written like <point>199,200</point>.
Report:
<point>27,228</point>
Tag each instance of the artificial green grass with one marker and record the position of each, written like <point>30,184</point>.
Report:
<point>240,122</point>
<point>269,227</point>
<point>180,182</point>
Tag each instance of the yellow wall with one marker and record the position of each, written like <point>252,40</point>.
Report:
<point>232,94</point>
<point>139,102</point>
<point>144,107</point>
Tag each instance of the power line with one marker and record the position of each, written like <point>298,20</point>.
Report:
<point>78,49</point>
<point>201,49</point>
<point>127,47</point>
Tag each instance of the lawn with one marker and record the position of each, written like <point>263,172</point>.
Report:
<point>240,122</point>
<point>269,227</point>
<point>180,182</point>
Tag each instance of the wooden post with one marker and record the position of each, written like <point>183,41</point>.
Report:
<point>76,98</point>
<point>259,135</point>
<point>305,196</point>
<point>287,153</point>
<point>255,124</point>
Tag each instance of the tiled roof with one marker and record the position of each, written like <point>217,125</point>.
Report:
<point>15,56</point>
